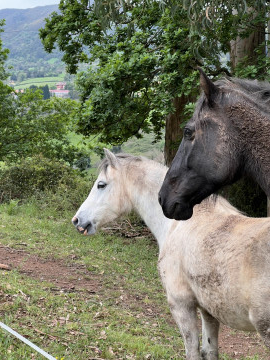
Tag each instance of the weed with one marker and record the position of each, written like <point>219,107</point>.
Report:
<point>12,207</point>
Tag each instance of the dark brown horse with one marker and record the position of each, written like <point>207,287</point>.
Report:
<point>228,136</point>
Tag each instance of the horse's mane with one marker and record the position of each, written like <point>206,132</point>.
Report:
<point>258,89</point>
<point>256,92</point>
<point>219,203</point>
<point>127,158</point>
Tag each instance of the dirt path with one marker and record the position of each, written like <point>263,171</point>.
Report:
<point>76,277</point>
<point>55,271</point>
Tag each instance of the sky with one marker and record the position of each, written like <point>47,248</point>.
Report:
<point>24,4</point>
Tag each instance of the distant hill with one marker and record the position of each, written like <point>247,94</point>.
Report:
<point>21,35</point>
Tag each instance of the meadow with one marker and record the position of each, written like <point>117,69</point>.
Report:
<point>41,81</point>
<point>122,315</point>
<point>80,297</point>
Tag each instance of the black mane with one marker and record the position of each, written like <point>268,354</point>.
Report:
<point>257,89</point>
<point>254,91</point>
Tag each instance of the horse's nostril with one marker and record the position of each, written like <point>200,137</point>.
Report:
<point>75,221</point>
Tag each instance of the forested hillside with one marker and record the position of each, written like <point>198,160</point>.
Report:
<point>21,37</point>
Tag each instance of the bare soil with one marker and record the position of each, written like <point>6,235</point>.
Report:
<point>74,277</point>
<point>65,277</point>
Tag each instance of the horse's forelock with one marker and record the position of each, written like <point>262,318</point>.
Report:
<point>123,158</point>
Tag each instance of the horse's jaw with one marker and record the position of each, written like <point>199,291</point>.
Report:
<point>178,212</point>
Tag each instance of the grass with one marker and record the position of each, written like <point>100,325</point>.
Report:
<point>111,324</point>
<point>126,318</point>
<point>39,82</point>
<point>144,147</point>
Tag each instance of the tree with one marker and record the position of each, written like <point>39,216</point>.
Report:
<point>141,72</point>
<point>6,109</point>
<point>37,126</point>
<point>141,59</point>
<point>30,125</point>
<point>46,92</point>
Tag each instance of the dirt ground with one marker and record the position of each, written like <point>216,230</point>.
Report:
<point>76,277</point>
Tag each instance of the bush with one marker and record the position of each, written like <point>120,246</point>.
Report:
<point>248,197</point>
<point>38,176</point>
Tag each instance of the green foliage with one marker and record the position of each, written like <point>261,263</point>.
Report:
<point>144,58</point>
<point>82,161</point>
<point>259,71</point>
<point>217,22</point>
<point>248,197</point>
<point>142,55</point>
<point>136,70</point>
<point>37,175</point>
<point>224,20</point>
<point>34,125</point>
<point>12,207</point>
<point>31,125</point>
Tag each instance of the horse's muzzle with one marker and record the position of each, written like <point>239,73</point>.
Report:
<point>85,229</point>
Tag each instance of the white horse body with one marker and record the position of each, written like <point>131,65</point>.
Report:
<point>218,261</point>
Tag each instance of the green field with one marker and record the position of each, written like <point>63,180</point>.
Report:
<point>84,298</point>
<point>50,81</point>
<point>125,318</point>
<point>80,297</point>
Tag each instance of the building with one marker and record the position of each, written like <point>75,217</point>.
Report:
<point>60,91</point>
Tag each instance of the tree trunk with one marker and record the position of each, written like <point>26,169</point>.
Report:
<point>245,47</point>
<point>174,132</point>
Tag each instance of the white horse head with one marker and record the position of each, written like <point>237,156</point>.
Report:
<point>108,198</point>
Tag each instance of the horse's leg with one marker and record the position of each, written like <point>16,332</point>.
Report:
<point>210,328</point>
<point>261,320</point>
<point>185,315</point>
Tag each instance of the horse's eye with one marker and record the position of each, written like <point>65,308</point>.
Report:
<point>188,133</point>
<point>101,185</point>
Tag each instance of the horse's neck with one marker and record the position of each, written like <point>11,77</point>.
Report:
<point>259,169</point>
<point>254,128</point>
<point>143,194</point>
<point>258,155</point>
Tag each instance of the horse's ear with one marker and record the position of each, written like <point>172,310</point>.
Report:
<point>113,161</point>
<point>209,88</point>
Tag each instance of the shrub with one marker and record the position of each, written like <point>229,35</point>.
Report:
<point>38,176</point>
<point>248,197</point>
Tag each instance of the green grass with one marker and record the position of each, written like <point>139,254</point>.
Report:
<point>134,146</point>
<point>127,318</point>
<point>111,324</point>
<point>144,146</point>
<point>39,82</point>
